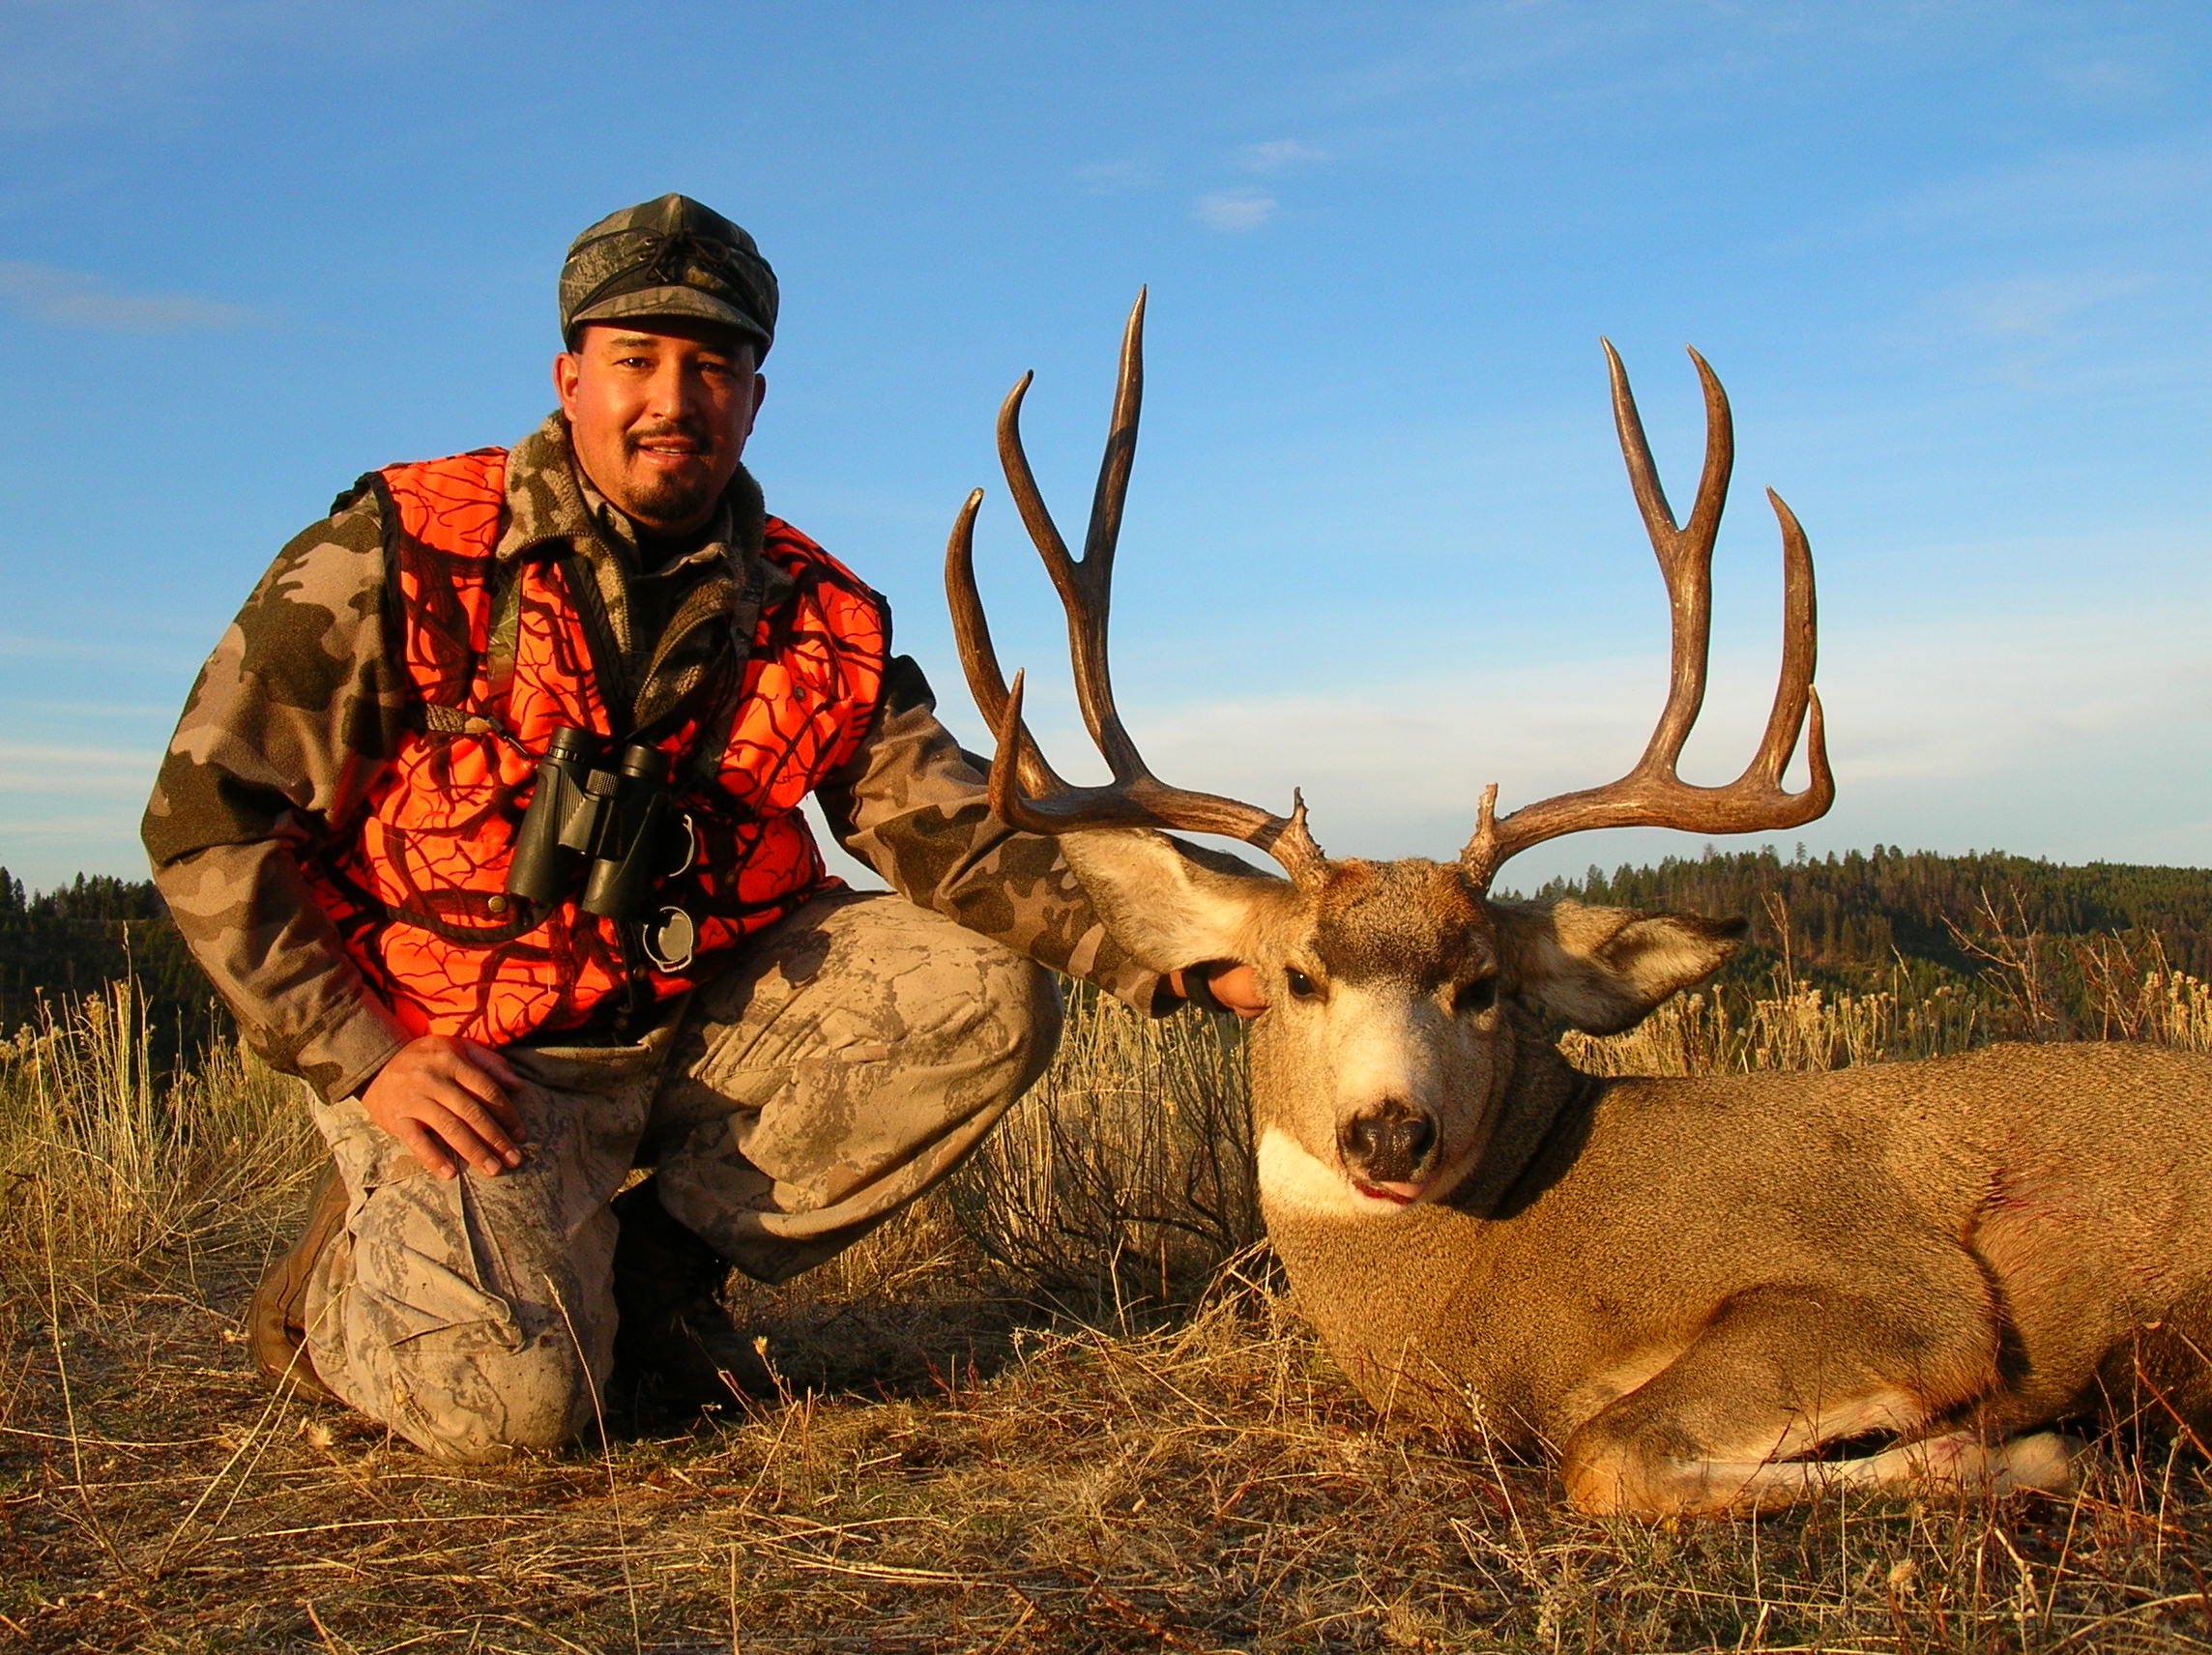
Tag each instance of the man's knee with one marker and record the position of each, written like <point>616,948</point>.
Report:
<point>1022,1007</point>
<point>486,1405</point>
<point>463,1373</point>
<point>953,995</point>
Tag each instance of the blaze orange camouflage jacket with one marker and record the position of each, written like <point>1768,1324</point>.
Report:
<point>305,699</point>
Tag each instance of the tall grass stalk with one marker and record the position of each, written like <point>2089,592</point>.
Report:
<point>1207,1483</point>
<point>109,1168</point>
<point>1126,1173</point>
<point>2132,993</point>
<point>1124,1178</point>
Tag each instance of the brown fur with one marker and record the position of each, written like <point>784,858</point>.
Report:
<point>1686,1289</point>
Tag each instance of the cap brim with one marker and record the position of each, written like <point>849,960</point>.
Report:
<point>688,303</point>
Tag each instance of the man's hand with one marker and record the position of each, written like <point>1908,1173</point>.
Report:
<point>443,1098</point>
<point>1234,985</point>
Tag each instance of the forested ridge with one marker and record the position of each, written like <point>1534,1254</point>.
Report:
<point>70,940</point>
<point>1857,920</point>
<point>1854,921</point>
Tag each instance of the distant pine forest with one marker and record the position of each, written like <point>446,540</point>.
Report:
<point>2046,943</point>
<point>1858,922</point>
<point>61,945</point>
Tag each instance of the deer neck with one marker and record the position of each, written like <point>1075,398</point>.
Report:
<point>1542,1117</point>
<point>1400,1299</point>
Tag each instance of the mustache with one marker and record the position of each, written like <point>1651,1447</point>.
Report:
<point>685,429</point>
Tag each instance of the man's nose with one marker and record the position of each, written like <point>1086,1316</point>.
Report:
<point>675,391</point>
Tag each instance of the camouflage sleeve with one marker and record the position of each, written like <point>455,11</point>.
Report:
<point>279,742</point>
<point>916,809</point>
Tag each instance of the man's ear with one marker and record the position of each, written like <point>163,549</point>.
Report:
<point>1173,903</point>
<point>1602,970</point>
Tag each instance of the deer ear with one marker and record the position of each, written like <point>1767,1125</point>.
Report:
<point>1173,904</point>
<point>1602,970</point>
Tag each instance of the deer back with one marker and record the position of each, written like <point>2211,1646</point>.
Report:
<point>2034,1207</point>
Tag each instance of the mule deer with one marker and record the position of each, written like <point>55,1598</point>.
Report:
<point>1702,1296</point>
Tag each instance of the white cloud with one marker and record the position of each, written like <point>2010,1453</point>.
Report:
<point>1118,177</point>
<point>24,759</point>
<point>132,652</point>
<point>63,61</point>
<point>2062,193</point>
<point>86,62</point>
<point>1277,154</point>
<point>2079,736</point>
<point>75,299</point>
<point>2109,80</point>
<point>2034,307</point>
<point>1234,212</point>
<point>136,710</point>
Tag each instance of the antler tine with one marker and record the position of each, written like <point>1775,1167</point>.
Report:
<point>1795,698</point>
<point>1652,794</point>
<point>1112,488</point>
<point>1087,587</point>
<point>1025,793</point>
<point>1142,801</point>
<point>979,658</point>
<point>1685,553</point>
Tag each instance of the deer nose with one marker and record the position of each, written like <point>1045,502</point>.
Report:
<point>1387,1142</point>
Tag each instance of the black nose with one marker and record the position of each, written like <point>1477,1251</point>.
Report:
<point>1388,1144</point>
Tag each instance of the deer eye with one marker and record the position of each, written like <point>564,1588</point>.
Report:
<point>1479,995</point>
<point>1303,987</point>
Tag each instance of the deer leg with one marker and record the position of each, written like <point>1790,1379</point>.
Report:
<point>1727,1426</point>
<point>2160,1374</point>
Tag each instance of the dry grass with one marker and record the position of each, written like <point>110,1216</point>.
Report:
<point>1037,1413</point>
<point>2130,991</point>
<point>109,1168</point>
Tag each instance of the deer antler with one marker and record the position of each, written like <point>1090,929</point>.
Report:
<point>1652,795</point>
<point>1025,791</point>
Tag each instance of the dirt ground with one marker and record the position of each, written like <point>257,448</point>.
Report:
<point>976,1475</point>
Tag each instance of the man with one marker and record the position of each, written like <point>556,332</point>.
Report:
<point>496,1041</point>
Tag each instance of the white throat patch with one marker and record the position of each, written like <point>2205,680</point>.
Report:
<point>1293,1182</point>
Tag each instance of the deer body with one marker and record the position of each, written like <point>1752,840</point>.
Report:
<point>1684,1288</point>
<point>1704,1294</point>
<point>1686,1283</point>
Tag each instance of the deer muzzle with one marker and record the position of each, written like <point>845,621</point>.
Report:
<point>1390,1151</point>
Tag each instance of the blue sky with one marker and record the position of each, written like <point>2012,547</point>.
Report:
<point>1949,258</point>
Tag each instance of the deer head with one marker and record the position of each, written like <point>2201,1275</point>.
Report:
<point>1404,1001</point>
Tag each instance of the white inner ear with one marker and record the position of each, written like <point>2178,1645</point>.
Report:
<point>1569,987</point>
<point>1167,909</point>
<point>1603,969</point>
<point>1664,953</point>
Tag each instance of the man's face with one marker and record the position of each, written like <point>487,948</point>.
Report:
<point>659,411</point>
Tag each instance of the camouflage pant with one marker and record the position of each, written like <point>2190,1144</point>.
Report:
<point>850,1060</point>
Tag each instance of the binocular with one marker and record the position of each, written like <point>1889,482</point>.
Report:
<point>615,831</point>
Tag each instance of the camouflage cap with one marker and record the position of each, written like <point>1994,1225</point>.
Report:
<point>670,257</point>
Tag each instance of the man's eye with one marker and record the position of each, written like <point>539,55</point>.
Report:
<point>1301,985</point>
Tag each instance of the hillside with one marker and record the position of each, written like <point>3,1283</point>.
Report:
<point>1996,923</point>
<point>66,943</point>
<point>1854,921</point>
